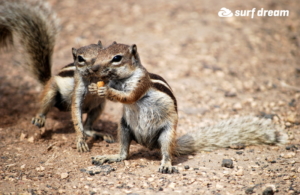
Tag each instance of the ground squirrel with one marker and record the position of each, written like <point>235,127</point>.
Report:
<point>35,26</point>
<point>150,113</point>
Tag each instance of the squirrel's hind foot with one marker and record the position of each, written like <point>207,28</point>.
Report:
<point>167,168</point>
<point>39,120</point>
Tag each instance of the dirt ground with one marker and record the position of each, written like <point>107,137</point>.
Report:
<point>218,68</point>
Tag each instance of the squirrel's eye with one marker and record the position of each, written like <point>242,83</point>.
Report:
<point>80,59</point>
<point>117,58</point>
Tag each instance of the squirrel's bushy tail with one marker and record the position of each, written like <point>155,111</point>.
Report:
<point>35,26</point>
<point>232,133</point>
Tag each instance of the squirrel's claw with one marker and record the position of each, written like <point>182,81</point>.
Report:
<point>39,121</point>
<point>167,169</point>
<point>82,145</point>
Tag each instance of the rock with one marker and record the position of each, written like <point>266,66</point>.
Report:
<point>219,186</point>
<point>30,139</point>
<point>228,163</point>
<point>64,175</point>
<point>103,169</point>
<point>172,185</point>
<point>186,167</point>
<point>291,147</point>
<point>288,155</point>
<point>151,179</point>
<point>293,103</point>
<point>237,106</point>
<point>127,163</point>
<point>249,190</point>
<point>230,94</point>
<point>61,191</point>
<point>292,118</point>
<point>239,172</point>
<point>286,177</point>
<point>270,160</point>
<point>40,168</point>
<point>268,191</point>
<point>23,136</point>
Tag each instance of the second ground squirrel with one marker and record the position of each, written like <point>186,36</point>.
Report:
<point>35,26</point>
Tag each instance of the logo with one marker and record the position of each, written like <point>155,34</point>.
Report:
<point>225,12</point>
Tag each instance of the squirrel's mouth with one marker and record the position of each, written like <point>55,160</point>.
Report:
<point>88,72</point>
<point>108,74</point>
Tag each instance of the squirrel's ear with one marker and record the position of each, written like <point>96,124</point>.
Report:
<point>135,55</point>
<point>74,53</point>
<point>100,44</point>
<point>133,49</point>
<point>114,43</point>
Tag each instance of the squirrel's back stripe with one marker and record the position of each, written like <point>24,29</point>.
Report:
<point>66,73</point>
<point>69,65</point>
<point>157,77</point>
<point>166,90</point>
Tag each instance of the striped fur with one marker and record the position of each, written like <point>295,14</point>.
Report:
<point>161,85</point>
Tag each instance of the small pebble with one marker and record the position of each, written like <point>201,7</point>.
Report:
<point>268,191</point>
<point>230,94</point>
<point>249,190</point>
<point>64,175</point>
<point>186,167</point>
<point>288,155</point>
<point>237,106</point>
<point>228,163</point>
<point>30,139</point>
<point>240,172</point>
<point>172,185</point>
<point>151,179</point>
<point>291,147</point>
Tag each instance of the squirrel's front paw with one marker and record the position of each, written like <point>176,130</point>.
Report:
<point>82,145</point>
<point>167,168</point>
<point>100,91</point>
<point>93,88</point>
<point>39,120</point>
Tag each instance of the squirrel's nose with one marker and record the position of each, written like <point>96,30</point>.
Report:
<point>95,68</point>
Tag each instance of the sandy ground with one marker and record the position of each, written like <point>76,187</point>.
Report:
<point>218,68</point>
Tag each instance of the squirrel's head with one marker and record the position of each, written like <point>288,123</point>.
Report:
<point>117,61</point>
<point>85,57</point>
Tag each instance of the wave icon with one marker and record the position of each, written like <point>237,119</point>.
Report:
<point>225,12</point>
